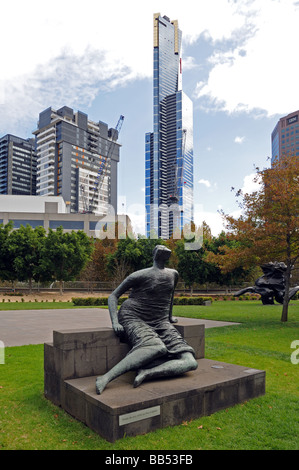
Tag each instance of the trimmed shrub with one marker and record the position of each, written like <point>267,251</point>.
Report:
<point>98,301</point>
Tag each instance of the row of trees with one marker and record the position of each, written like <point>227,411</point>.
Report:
<point>114,259</point>
<point>28,254</point>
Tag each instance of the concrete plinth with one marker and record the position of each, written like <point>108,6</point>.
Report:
<point>76,358</point>
<point>123,410</point>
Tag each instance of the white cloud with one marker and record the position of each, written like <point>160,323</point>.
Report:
<point>213,219</point>
<point>246,78</point>
<point>249,185</point>
<point>211,186</point>
<point>189,63</point>
<point>61,82</point>
<point>66,53</point>
<point>239,140</point>
<point>205,183</point>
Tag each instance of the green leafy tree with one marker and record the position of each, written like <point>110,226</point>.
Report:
<point>191,266</point>
<point>7,272</point>
<point>146,247</point>
<point>25,247</point>
<point>65,254</point>
<point>131,255</point>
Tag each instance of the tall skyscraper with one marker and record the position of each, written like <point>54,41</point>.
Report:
<point>169,148</point>
<point>17,166</point>
<point>77,159</point>
<point>285,136</point>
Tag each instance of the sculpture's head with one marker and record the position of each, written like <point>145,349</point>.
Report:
<point>161,252</point>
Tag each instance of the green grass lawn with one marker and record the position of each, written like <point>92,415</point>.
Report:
<point>261,341</point>
<point>19,305</point>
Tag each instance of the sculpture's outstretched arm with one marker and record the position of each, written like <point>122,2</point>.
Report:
<point>113,301</point>
<point>243,291</point>
<point>171,318</point>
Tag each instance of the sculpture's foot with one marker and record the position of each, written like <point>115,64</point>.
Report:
<point>100,384</point>
<point>140,377</point>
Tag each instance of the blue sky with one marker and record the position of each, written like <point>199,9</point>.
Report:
<point>240,69</point>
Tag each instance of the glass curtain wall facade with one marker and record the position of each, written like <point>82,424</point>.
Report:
<point>285,136</point>
<point>17,166</point>
<point>169,148</point>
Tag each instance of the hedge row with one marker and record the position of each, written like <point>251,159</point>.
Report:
<point>91,301</point>
<point>98,301</point>
<point>191,300</point>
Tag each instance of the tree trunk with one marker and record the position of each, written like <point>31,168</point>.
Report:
<point>30,286</point>
<point>285,308</point>
<point>61,287</point>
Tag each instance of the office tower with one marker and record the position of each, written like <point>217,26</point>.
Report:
<point>169,148</point>
<point>285,136</point>
<point>77,159</point>
<point>17,166</point>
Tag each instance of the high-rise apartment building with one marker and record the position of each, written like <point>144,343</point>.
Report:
<point>285,136</point>
<point>17,166</point>
<point>169,148</point>
<point>77,159</point>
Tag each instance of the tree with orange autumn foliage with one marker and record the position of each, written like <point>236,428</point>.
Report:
<point>96,269</point>
<point>268,228</point>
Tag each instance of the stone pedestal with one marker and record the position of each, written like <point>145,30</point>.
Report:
<point>76,358</point>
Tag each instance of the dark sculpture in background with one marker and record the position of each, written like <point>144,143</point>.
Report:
<point>145,320</point>
<point>271,285</point>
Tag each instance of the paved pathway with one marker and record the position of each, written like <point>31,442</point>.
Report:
<point>21,327</point>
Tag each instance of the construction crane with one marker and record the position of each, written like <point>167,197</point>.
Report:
<point>175,197</point>
<point>104,164</point>
<point>83,194</point>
